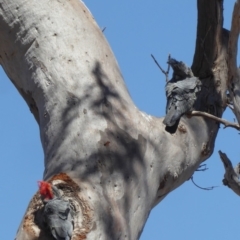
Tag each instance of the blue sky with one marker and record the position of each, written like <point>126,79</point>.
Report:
<point>134,29</point>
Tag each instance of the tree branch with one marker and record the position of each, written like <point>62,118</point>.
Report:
<point>231,175</point>
<point>202,168</point>
<point>203,188</point>
<point>163,71</point>
<point>233,71</point>
<point>220,120</point>
<point>209,32</point>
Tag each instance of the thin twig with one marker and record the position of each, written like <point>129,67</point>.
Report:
<point>104,29</point>
<point>208,188</point>
<point>220,120</point>
<point>164,72</point>
<point>202,168</point>
<point>169,57</point>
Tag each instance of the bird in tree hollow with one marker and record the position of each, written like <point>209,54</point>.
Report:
<point>57,212</point>
<point>181,93</point>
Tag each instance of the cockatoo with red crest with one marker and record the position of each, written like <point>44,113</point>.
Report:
<point>57,212</point>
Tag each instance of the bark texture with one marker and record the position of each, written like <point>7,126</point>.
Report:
<point>233,73</point>
<point>113,161</point>
<point>231,176</point>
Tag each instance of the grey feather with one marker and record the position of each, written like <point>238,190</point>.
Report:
<point>181,96</point>
<point>180,69</point>
<point>57,215</point>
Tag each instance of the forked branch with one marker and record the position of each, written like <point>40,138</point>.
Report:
<point>231,176</point>
<point>163,71</point>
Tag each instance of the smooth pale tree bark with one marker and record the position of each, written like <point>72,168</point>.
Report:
<point>114,162</point>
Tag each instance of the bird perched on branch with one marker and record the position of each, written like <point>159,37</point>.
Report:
<point>181,93</point>
<point>57,212</point>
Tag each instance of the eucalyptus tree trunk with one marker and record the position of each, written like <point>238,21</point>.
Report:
<point>113,162</point>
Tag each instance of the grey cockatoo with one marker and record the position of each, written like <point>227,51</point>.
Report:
<point>180,69</point>
<point>181,93</point>
<point>57,212</point>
